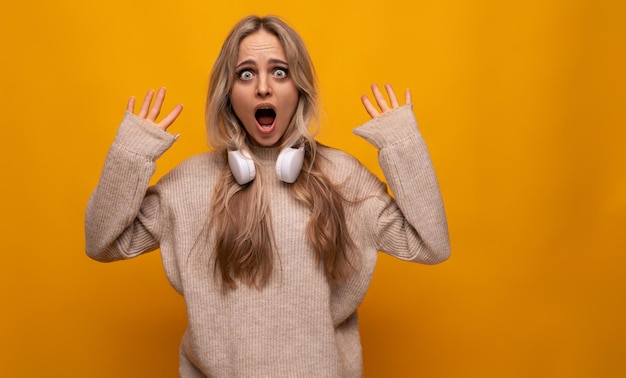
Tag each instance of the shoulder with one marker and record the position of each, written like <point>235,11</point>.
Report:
<point>337,163</point>
<point>347,172</point>
<point>201,169</point>
<point>202,161</point>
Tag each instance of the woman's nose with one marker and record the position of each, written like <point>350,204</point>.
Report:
<point>263,88</point>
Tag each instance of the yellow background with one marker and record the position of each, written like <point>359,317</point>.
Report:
<point>521,104</point>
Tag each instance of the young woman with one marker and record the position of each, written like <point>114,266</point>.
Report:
<point>271,238</point>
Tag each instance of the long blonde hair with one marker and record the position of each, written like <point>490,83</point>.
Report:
<point>244,236</point>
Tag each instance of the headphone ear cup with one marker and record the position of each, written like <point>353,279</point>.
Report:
<point>289,164</point>
<point>242,166</point>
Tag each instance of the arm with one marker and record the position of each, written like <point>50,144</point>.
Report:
<point>121,218</point>
<point>414,227</point>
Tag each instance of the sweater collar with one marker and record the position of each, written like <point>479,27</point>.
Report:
<point>265,154</point>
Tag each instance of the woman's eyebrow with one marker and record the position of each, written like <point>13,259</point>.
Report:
<point>278,61</point>
<point>248,62</point>
<point>252,62</point>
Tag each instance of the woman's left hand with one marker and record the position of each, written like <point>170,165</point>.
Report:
<point>382,103</point>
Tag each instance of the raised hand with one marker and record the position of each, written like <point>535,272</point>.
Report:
<point>381,102</point>
<point>150,109</point>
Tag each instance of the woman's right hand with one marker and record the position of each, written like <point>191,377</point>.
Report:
<point>150,110</point>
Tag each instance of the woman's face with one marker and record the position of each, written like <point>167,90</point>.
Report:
<point>264,96</point>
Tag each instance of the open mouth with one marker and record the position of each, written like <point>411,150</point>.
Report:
<point>265,116</point>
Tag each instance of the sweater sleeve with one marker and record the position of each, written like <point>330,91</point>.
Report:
<point>414,226</point>
<point>122,213</point>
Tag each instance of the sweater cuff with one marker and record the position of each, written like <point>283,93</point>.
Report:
<point>142,137</point>
<point>389,128</point>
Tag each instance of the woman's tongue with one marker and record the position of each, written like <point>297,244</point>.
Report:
<point>265,117</point>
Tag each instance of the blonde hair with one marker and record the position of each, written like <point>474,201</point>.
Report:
<point>244,236</point>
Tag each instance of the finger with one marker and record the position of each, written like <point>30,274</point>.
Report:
<point>380,99</point>
<point>369,107</point>
<point>170,118</point>
<point>145,106</point>
<point>392,96</point>
<point>407,96</point>
<point>155,109</point>
<point>130,106</point>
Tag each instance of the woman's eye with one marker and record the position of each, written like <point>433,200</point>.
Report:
<point>280,73</point>
<point>246,75</point>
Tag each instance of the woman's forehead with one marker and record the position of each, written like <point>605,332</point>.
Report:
<point>260,45</point>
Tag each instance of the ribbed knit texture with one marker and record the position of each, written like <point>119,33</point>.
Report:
<point>299,325</point>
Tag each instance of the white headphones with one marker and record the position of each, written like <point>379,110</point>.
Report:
<point>288,165</point>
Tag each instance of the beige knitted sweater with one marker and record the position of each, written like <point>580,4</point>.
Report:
<point>299,325</point>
